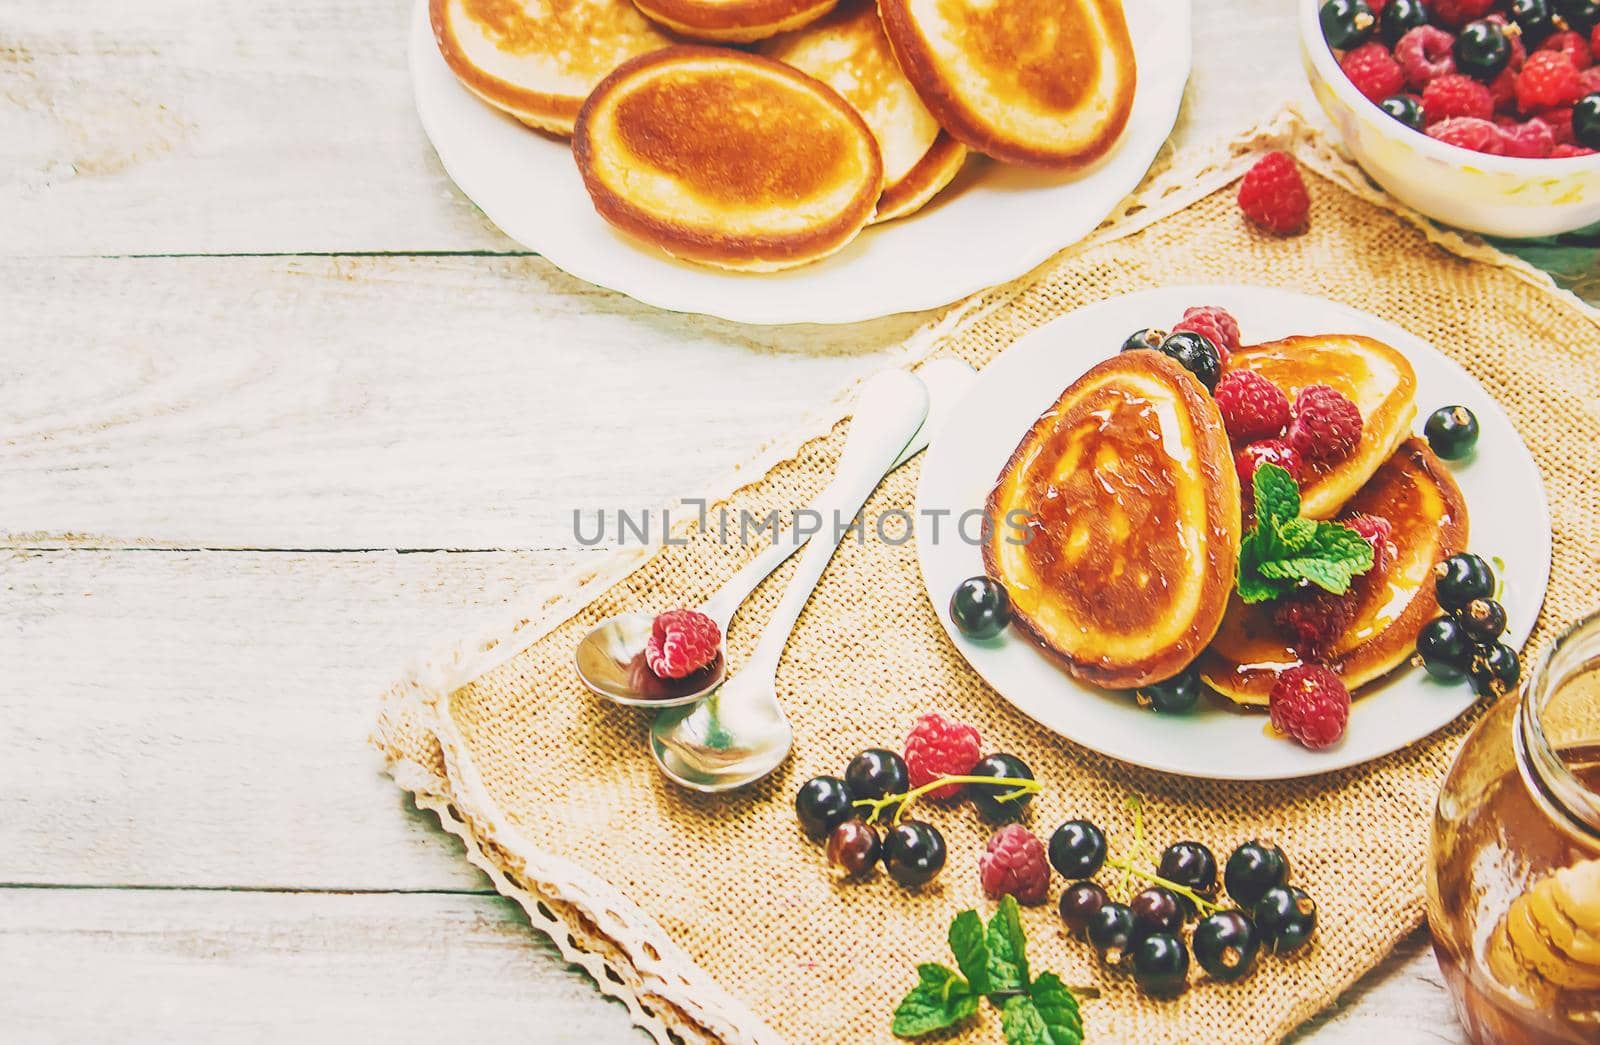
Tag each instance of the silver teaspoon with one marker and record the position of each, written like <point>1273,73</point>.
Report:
<point>610,658</point>
<point>739,734</point>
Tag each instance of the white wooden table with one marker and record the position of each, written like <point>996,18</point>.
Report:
<point>278,409</point>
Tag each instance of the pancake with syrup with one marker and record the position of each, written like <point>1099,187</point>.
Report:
<point>1041,83</point>
<point>1424,506</point>
<point>1373,376</point>
<point>734,21</point>
<point>848,51</point>
<point>1131,502</point>
<point>727,159</point>
<point>539,59</point>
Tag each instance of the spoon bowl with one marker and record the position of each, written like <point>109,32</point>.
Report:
<point>611,663</point>
<point>728,740</point>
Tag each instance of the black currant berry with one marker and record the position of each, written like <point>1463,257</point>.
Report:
<point>1445,649</point>
<point>1254,868</point>
<point>853,848</point>
<point>1534,19</point>
<point>1484,620</point>
<point>913,852</point>
<point>1405,108</point>
<point>1077,849</point>
<point>1399,18</point>
<point>1149,337</point>
<point>1191,865</point>
<point>1495,670</point>
<point>1285,917</point>
<point>1080,901</point>
<point>1580,15</point>
<point>1175,696</point>
<point>822,804</point>
<point>1346,24</point>
<point>1225,945</point>
<point>987,796</point>
<point>1156,910</point>
<point>876,773</point>
<point>1482,49</point>
<point>1196,354</point>
<point>980,608</point>
<point>1452,432</point>
<point>1110,931</point>
<point>1462,578</point>
<point>1160,964</point>
<point>1586,121</point>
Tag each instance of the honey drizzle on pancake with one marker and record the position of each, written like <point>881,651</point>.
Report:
<point>1044,50</point>
<point>716,135</point>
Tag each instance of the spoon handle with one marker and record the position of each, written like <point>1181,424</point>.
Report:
<point>888,411</point>
<point>946,380</point>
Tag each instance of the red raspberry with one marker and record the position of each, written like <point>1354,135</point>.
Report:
<point>1326,425</point>
<point>1455,95</point>
<point>1271,451</point>
<point>1549,78</point>
<point>1559,120</point>
<point>1310,704</point>
<point>1313,620</point>
<point>681,643</point>
<point>1570,44</point>
<point>1374,71</point>
<point>1377,531</point>
<point>1273,195</point>
<point>1459,12</point>
<point>1503,89</point>
<point>1567,152</point>
<point>1214,322</point>
<point>1252,407</point>
<point>1530,140</point>
<point>1469,133</point>
<point>1377,6</point>
<point>1015,865</point>
<point>1424,54</point>
<point>939,747</point>
<point>1594,40</point>
<point>1588,80</point>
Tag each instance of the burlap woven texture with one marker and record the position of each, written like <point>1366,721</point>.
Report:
<point>714,920</point>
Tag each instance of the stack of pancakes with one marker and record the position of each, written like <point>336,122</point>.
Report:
<point>1126,571</point>
<point>843,114</point>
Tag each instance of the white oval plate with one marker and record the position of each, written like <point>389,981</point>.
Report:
<point>1509,520</point>
<point>995,224</point>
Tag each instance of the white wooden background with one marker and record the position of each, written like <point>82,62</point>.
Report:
<point>278,409</point>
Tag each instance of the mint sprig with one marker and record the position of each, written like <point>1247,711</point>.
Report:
<point>1285,549</point>
<point>994,964</point>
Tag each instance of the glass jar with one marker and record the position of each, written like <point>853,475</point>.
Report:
<point>1514,884</point>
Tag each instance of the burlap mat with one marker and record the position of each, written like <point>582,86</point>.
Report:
<point>712,919</point>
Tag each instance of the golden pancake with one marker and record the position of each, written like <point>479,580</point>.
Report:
<point>1423,504</point>
<point>727,159</point>
<point>539,59</point>
<point>1132,507</point>
<point>1043,83</point>
<point>1373,376</point>
<point>848,51</point>
<point>734,21</point>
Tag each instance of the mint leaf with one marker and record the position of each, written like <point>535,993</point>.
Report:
<point>1295,534</point>
<point>1058,1008</point>
<point>1025,1023</point>
<point>1277,495</point>
<point>1008,949</point>
<point>1252,586</point>
<point>940,999</point>
<point>967,943</point>
<point>1334,557</point>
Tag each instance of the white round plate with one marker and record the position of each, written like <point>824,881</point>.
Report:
<point>995,224</point>
<point>1508,517</point>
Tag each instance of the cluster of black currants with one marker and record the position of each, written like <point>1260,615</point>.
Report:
<point>1146,934</point>
<point>1465,642</point>
<point>1194,352</point>
<point>876,785</point>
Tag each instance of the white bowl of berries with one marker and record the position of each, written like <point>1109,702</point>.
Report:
<point>1482,114</point>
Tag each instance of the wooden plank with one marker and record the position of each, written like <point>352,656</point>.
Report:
<point>229,966</point>
<point>169,966</point>
<point>201,719</point>
<point>375,402</point>
<point>287,125</point>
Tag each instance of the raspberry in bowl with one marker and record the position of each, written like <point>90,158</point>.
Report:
<point>1463,115</point>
